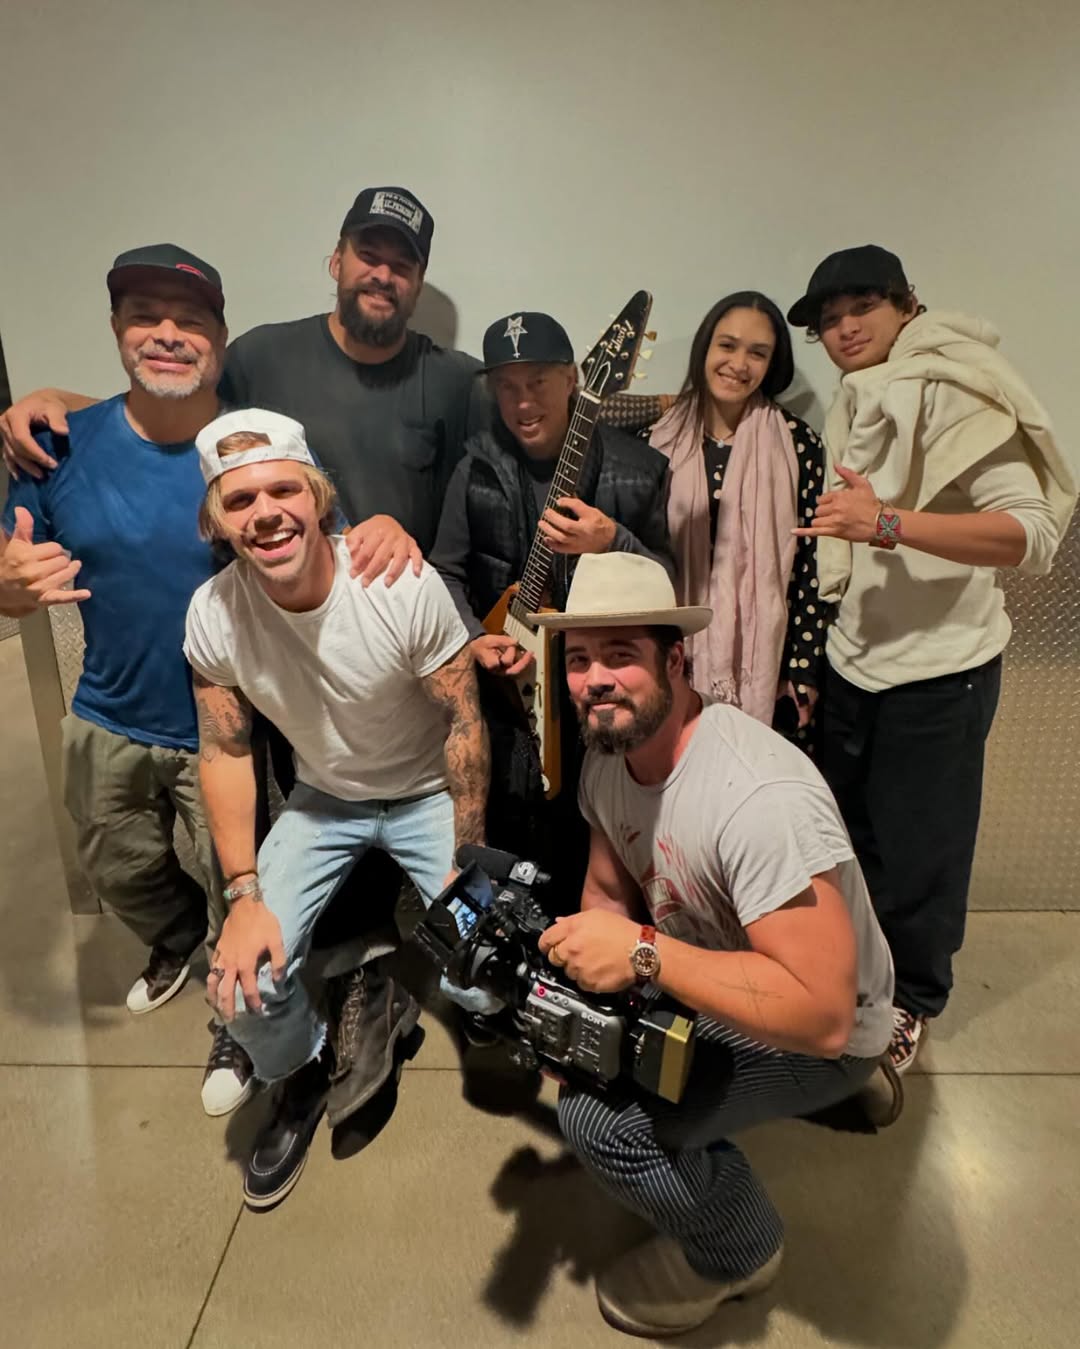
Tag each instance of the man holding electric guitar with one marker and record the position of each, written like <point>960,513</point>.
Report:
<point>540,486</point>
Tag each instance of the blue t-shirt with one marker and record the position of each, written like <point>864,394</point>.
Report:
<point>128,510</point>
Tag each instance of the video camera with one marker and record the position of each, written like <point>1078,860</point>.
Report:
<point>483,930</point>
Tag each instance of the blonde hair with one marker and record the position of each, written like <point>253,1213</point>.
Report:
<point>212,511</point>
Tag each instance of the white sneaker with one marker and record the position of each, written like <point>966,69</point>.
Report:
<point>229,1079</point>
<point>164,977</point>
<point>652,1291</point>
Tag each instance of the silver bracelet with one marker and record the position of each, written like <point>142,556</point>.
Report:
<point>238,891</point>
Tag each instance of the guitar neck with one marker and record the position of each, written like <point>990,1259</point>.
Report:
<point>564,483</point>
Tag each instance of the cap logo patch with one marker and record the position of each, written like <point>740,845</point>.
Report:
<point>186,267</point>
<point>515,330</point>
<point>400,208</point>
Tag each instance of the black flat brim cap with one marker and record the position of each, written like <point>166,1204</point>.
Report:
<point>526,338</point>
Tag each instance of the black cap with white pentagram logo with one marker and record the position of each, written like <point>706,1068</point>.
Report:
<point>526,336</point>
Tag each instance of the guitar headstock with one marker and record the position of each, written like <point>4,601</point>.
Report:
<point>608,368</point>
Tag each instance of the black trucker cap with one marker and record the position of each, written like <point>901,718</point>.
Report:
<point>393,208</point>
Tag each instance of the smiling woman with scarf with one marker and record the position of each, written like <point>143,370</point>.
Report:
<point>744,473</point>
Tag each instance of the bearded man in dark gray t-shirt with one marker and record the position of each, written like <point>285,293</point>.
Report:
<point>721,872</point>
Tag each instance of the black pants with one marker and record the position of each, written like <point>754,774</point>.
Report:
<point>906,767</point>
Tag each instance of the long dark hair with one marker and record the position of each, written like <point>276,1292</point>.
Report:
<point>694,395</point>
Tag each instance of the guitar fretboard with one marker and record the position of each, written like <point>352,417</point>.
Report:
<point>564,483</point>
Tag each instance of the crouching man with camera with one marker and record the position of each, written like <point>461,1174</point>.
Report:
<point>724,840</point>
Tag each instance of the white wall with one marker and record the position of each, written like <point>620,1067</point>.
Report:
<point>570,153</point>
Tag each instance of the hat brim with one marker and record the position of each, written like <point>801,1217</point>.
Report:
<point>501,365</point>
<point>802,311</point>
<point>688,620</point>
<point>123,279</point>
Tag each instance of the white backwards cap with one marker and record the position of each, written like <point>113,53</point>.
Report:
<point>286,437</point>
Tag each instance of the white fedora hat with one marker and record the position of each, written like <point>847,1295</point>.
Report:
<point>624,590</point>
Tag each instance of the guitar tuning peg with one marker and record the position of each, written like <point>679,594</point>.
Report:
<point>651,337</point>
<point>645,355</point>
<point>640,374</point>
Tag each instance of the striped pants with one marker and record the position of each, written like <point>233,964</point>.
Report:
<point>674,1165</point>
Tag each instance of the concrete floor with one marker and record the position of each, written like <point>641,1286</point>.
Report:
<point>123,1223</point>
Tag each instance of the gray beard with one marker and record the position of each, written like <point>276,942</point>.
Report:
<point>166,388</point>
<point>608,738</point>
<point>369,332</point>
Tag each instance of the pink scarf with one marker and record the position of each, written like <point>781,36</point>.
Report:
<point>737,658</point>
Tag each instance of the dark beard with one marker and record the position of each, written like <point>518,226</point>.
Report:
<point>385,332</point>
<point>647,720</point>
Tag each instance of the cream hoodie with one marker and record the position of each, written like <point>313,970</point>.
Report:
<point>944,425</point>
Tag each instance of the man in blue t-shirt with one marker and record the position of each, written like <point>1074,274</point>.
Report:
<point>119,518</point>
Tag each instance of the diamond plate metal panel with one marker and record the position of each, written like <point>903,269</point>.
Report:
<point>1029,840</point>
<point>67,634</point>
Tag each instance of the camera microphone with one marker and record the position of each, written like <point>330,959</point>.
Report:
<point>499,866</point>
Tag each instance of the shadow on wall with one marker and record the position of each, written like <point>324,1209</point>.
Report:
<point>436,315</point>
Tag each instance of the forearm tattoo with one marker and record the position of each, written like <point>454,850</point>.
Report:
<point>225,720</point>
<point>468,764</point>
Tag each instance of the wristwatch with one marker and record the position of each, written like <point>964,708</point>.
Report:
<point>887,528</point>
<point>644,957</point>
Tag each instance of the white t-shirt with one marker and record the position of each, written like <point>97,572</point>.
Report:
<point>741,826</point>
<point>342,682</point>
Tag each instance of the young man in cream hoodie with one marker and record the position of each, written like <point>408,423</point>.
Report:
<point>945,468</point>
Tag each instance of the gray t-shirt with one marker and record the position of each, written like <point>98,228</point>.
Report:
<point>741,826</point>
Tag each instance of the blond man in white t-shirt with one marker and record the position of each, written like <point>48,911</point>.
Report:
<point>374,688</point>
<point>720,871</point>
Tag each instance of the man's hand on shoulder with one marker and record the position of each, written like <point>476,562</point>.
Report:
<point>32,575</point>
<point>379,546</point>
<point>593,948</point>
<point>44,408</point>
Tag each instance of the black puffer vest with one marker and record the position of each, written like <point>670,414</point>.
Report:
<point>622,477</point>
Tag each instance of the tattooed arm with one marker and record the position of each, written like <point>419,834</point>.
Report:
<point>227,774</point>
<point>251,933</point>
<point>468,767</point>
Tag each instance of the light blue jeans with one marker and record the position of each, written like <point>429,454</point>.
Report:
<point>312,847</point>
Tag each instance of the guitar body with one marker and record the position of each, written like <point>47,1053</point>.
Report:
<point>536,691</point>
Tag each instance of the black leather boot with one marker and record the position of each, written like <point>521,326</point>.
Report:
<point>281,1147</point>
<point>373,1014</point>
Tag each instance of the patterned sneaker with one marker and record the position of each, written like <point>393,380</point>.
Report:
<point>908,1031</point>
<point>228,1080</point>
<point>652,1291</point>
<point>162,979</point>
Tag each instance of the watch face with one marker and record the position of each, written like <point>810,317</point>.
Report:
<point>645,960</point>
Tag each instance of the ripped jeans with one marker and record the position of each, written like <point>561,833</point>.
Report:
<point>306,856</point>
